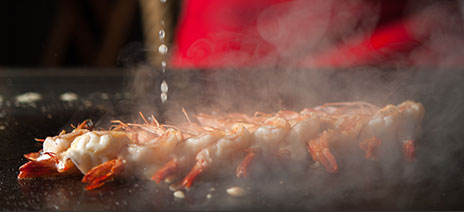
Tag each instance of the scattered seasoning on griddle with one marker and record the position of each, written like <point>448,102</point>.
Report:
<point>68,97</point>
<point>179,194</point>
<point>236,191</point>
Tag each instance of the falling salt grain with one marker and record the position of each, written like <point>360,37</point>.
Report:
<point>162,34</point>
<point>164,97</point>
<point>2,127</point>
<point>179,194</point>
<point>236,191</point>
<point>163,49</point>
<point>163,66</point>
<point>164,87</point>
<point>208,196</point>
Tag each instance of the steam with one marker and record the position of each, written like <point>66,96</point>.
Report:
<point>326,24</point>
<point>444,44</point>
<point>431,74</point>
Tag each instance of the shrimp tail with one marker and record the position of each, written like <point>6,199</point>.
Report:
<point>199,168</point>
<point>328,161</point>
<point>169,168</point>
<point>34,169</point>
<point>241,170</point>
<point>370,146</point>
<point>409,150</point>
<point>35,155</point>
<point>319,151</point>
<point>101,174</point>
<point>313,150</point>
<point>38,168</point>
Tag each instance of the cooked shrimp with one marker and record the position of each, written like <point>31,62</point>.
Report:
<point>306,127</point>
<point>291,116</point>
<point>96,147</point>
<point>140,133</point>
<point>342,130</point>
<point>144,159</point>
<point>185,152</point>
<point>409,129</point>
<point>152,155</point>
<point>215,121</point>
<point>232,144</point>
<point>219,142</point>
<point>348,108</point>
<point>380,130</point>
<point>318,148</point>
<point>50,161</point>
<point>265,140</point>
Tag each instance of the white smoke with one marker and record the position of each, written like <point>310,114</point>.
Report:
<point>431,74</point>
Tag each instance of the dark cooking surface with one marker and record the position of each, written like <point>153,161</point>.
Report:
<point>434,182</point>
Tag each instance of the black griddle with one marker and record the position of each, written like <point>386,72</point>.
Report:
<point>434,182</point>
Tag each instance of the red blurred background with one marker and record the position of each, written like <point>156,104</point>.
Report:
<point>327,34</point>
<point>234,33</point>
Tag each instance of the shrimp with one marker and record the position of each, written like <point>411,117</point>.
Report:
<point>342,130</point>
<point>101,155</point>
<point>380,130</point>
<point>291,116</point>
<point>214,121</point>
<point>185,152</point>
<point>149,157</point>
<point>135,157</point>
<point>225,121</point>
<point>348,108</point>
<point>222,141</point>
<point>212,129</point>
<point>141,133</point>
<point>239,117</point>
<point>265,141</point>
<point>318,148</point>
<point>96,147</point>
<point>412,114</point>
<point>50,160</point>
<point>305,127</point>
<point>226,148</point>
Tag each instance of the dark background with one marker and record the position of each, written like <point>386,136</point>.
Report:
<point>73,33</point>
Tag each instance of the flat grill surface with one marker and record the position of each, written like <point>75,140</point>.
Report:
<point>434,182</point>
